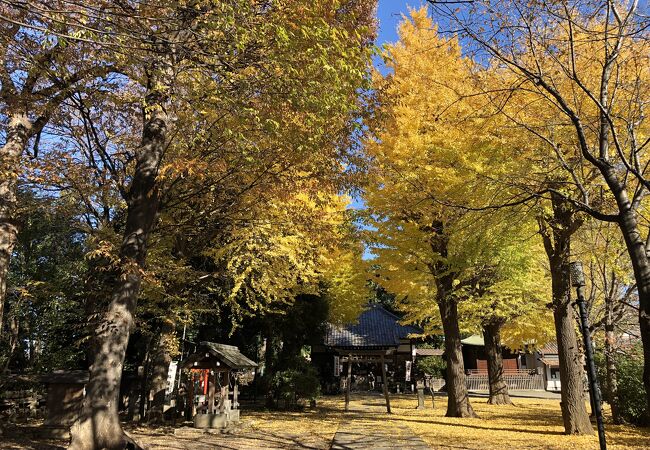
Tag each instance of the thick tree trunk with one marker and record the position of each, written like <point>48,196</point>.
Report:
<point>574,410</point>
<point>641,265</point>
<point>18,134</point>
<point>498,387</point>
<point>458,404</point>
<point>558,249</point>
<point>143,381</point>
<point>271,357</point>
<point>161,360</point>
<point>98,425</point>
<point>14,334</point>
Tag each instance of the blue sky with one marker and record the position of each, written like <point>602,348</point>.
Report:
<point>389,14</point>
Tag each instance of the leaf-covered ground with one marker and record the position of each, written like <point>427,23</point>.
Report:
<point>529,424</point>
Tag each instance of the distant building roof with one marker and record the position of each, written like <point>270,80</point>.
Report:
<point>429,351</point>
<point>549,349</point>
<point>474,339</point>
<point>376,328</point>
<point>66,377</point>
<point>227,354</point>
<point>551,361</point>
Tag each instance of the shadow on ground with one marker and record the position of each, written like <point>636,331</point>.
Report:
<point>529,424</point>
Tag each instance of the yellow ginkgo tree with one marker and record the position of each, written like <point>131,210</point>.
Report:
<point>429,150</point>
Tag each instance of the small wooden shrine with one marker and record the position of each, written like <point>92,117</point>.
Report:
<point>65,391</point>
<point>213,370</point>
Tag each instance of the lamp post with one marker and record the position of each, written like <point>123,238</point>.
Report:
<point>578,281</point>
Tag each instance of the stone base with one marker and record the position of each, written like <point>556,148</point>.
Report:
<point>210,421</point>
<point>219,420</point>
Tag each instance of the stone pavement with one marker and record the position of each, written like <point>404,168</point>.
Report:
<point>359,433</point>
<point>353,436</point>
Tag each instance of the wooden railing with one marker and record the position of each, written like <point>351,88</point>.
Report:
<point>520,380</point>
<point>506,371</point>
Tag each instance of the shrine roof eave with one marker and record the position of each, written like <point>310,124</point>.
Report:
<point>383,350</point>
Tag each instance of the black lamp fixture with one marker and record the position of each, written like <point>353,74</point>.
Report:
<point>578,282</point>
<point>577,274</point>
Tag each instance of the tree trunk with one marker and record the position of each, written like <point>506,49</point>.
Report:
<point>161,360</point>
<point>641,265</point>
<point>458,399</point>
<point>144,371</point>
<point>574,410</point>
<point>98,425</point>
<point>271,356</point>
<point>498,387</point>
<point>18,134</point>
<point>610,362</point>
<point>458,404</point>
<point>14,335</point>
<point>558,248</point>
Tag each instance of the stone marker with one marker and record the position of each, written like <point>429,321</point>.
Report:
<point>420,389</point>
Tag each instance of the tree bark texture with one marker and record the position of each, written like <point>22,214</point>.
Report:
<point>161,360</point>
<point>271,357</point>
<point>610,360</point>
<point>641,265</point>
<point>18,135</point>
<point>98,425</point>
<point>612,373</point>
<point>498,387</point>
<point>458,404</point>
<point>557,243</point>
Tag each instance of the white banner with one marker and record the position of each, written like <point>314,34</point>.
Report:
<point>171,376</point>
<point>408,370</point>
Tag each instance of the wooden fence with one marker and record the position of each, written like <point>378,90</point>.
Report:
<point>515,381</point>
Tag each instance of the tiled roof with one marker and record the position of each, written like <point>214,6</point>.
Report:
<point>549,349</point>
<point>552,361</point>
<point>429,351</point>
<point>228,354</point>
<point>376,328</point>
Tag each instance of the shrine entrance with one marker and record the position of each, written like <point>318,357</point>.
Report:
<point>373,357</point>
<point>376,351</point>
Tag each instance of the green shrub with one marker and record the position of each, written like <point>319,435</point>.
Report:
<point>433,366</point>
<point>631,394</point>
<point>292,387</point>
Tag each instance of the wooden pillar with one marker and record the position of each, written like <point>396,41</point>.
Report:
<point>385,383</point>
<point>190,397</point>
<point>235,395</point>
<point>227,386</point>
<point>348,381</point>
<point>433,395</point>
<point>212,386</point>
